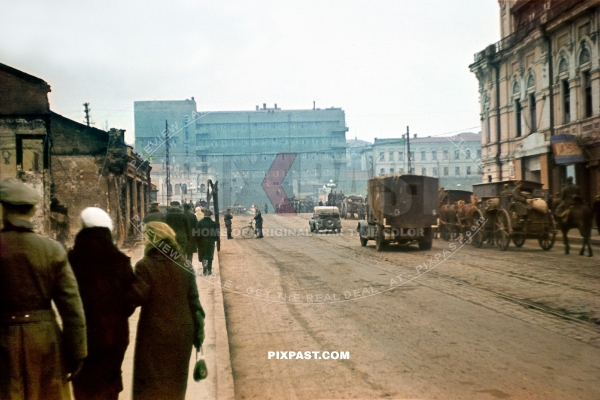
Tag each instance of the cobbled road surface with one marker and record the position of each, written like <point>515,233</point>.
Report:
<point>455,322</point>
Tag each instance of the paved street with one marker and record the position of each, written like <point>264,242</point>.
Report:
<point>453,322</point>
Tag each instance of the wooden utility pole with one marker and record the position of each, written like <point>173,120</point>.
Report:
<point>408,150</point>
<point>86,107</point>
<point>168,172</point>
<point>212,190</point>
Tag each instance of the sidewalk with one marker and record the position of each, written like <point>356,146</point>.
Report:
<point>575,237</point>
<point>219,384</point>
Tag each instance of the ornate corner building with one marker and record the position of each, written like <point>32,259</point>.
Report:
<point>539,92</point>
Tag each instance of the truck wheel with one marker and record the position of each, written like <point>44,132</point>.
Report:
<point>425,245</point>
<point>380,244</point>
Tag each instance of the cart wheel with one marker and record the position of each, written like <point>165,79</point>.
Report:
<point>518,239</point>
<point>502,230</point>
<point>546,239</point>
<point>477,238</point>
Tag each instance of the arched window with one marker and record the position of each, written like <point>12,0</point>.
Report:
<point>563,66</point>
<point>584,56</point>
<point>531,81</point>
<point>516,89</point>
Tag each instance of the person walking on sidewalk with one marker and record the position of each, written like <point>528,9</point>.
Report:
<point>105,278</point>
<point>596,212</point>
<point>171,318</point>
<point>178,221</point>
<point>154,214</point>
<point>37,358</point>
<point>207,234</point>
<point>258,222</point>
<point>227,218</point>
<point>192,221</point>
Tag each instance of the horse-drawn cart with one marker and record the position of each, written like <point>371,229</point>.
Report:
<point>352,205</point>
<point>502,220</point>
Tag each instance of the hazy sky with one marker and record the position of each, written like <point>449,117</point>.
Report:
<point>388,64</point>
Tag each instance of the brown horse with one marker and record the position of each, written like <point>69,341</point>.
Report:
<point>465,212</point>
<point>447,226</point>
<point>580,217</point>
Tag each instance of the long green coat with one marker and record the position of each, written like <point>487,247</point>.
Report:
<point>206,234</point>
<point>168,295</point>
<point>33,272</point>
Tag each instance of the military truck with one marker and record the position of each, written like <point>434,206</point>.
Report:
<point>400,209</point>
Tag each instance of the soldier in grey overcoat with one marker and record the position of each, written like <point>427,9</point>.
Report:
<point>179,222</point>
<point>36,357</point>
<point>154,214</point>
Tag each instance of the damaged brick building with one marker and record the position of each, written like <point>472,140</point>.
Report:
<point>71,164</point>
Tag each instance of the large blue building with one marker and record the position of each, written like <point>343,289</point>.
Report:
<point>239,148</point>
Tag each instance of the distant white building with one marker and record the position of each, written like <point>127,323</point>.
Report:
<point>454,159</point>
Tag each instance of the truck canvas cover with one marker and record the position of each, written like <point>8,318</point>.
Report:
<point>404,200</point>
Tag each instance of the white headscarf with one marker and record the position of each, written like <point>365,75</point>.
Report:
<point>94,217</point>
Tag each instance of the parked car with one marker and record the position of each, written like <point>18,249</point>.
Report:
<point>325,218</point>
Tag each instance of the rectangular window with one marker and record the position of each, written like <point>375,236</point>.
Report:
<point>382,156</point>
<point>435,171</point>
<point>445,154</point>
<point>445,171</point>
<point>391,156</point>
<point>456,154</point>
<point>566,101</point>
<point>381,171</point>
<point>468,170</point>
<point>518,121</point>
<point>457,171</point>
<point>400,156</point>
<point>412,155</point>
<point>391,171</point>
<point>423,156</point>
<point>532,112</point>
<point>587,95</point>
<point>479,154</point>
<point>401,170</point>
<point>423,171</point>
<point>434,155</point>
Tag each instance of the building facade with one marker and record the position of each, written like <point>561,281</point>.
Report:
<point>455,160</point>
<point>94,168</point>
<point>72,165</point>
<point>540,94</point>
<point>247,152</point>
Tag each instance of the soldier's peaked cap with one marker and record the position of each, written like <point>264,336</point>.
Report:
<point>13,191</point>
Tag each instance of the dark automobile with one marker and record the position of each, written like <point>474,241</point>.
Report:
<point>325,218</point>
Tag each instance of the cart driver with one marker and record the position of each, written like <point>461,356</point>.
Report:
<point>520,201</point>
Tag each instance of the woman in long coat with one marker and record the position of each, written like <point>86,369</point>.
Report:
<point>171,319</point>
<point>105,280</point>
<point>207,234</point>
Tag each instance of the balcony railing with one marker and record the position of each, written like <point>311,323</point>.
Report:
<point>527,21</point>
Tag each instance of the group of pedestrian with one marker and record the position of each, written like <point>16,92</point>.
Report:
<point>195,232</point>
<point>95,291</point>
